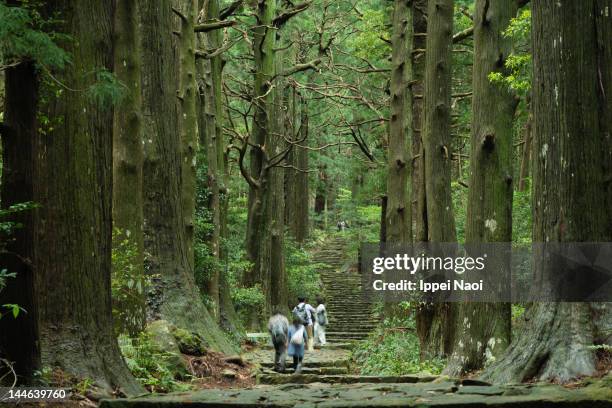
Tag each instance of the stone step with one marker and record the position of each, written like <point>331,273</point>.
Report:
<point>341,379</point>
<point>308,370</point>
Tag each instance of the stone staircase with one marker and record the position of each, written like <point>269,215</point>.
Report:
<point>350,314</point>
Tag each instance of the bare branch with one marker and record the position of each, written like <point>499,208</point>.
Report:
<point>284,17</point>
<point>206,27</point>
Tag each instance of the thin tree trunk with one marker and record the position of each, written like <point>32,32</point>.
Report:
<point>525,155</point>
<point>483,329</point>
<point>187,95</point>
<point>72,180</point>
<point>302,187</point>
<point>128,161</point>
<point>207,129</point>
<point>569,193</point>
<point>419,23</point>
<point>399,211</point>
<point>434,322</point>
<point>258,221</point>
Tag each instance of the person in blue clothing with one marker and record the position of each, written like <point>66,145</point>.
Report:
<point>297,341</point>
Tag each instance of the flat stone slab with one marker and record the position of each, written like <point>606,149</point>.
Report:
<point>448,394</point>
<point>339,379</point>
<point>324,357</point>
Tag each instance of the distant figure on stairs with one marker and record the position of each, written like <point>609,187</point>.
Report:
<point>342,225</point>
<point>298,338</point>
<point>321,323</point>
<point>305,313</point>
<point>278,326</point>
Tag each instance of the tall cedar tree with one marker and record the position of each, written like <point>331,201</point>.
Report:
<point>483,329</point>
<point>571,110</point>
<point>128,158</point>
<point>174,295</point>
<point>434,321</point>
<point>399,211</point>
<point>67,240</point>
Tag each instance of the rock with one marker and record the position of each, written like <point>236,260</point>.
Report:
<point>227,373</point>
<point>160,333</point>
<point>481,390</point>
<point>472,381</point>
<point>235,359</point>
<point>189,343</point>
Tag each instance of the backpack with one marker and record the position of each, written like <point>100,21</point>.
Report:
<point>298,337</point>
<point>301,313</point>
<point>322,317</point>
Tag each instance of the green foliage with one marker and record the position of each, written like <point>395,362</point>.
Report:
<point>107,90</point>
<point>128,285</point>
<point>151,366</point>
<point>247,298</point>
<point>393,349</point>
<point>519,63</point>
<point>302,274</point>
<point>521,217</point>
<point>23,37</point>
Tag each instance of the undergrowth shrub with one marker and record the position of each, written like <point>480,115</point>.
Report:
<point>150,366</point>
<point>393,348</point>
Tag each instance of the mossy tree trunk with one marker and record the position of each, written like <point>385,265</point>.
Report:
<point>72,180</point>
<point>569,191</point>
<point>302,185</point>
<point>419,24</point>
<point>258,222</point>
<point>207,129</point>
<point>434,321</point>
<point>187,10</point>
<point>174,295</point>
<point>399,211</point>
<point>483,329</point>
<point>128,160</point>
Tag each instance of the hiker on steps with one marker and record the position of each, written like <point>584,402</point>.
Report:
<point>298,338</point>
<point>278,326</point>
<point>306,314</point>
<point>321,323</point>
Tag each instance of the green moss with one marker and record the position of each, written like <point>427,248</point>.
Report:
<point>189,343</point>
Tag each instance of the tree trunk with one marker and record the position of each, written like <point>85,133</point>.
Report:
<point>228,317</point>
<point>434,322</point>
<point>483,329</point>
<point>174,295</point>
<point>187,95</point>
<point>19,337</point>
<point>568,181</point>
<point>207,128</point>
<point>399,211</point>
<point>276,202</point>
<point>259,219</point>
<point>302,190</point>
<point>128,161</point>
<point>525,155</point>
<point>419,24</point>
<point>72,180</point>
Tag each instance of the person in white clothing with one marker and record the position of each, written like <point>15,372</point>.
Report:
<point>321,322</point>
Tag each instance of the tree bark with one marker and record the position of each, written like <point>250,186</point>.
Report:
<point>434,321</point>
<point>419,23</point>
<point>483,329</point>
<point>19,337</point>
<point>569,193</point>
<point>128,160</point>
<point>525,155</point>
<point>399,211</point>
<point>174,295</point>
<point>207,128</point>
<point>72,180</point>
<point>259,219</point>
<point>302,186</point>
<point>187,95</point>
